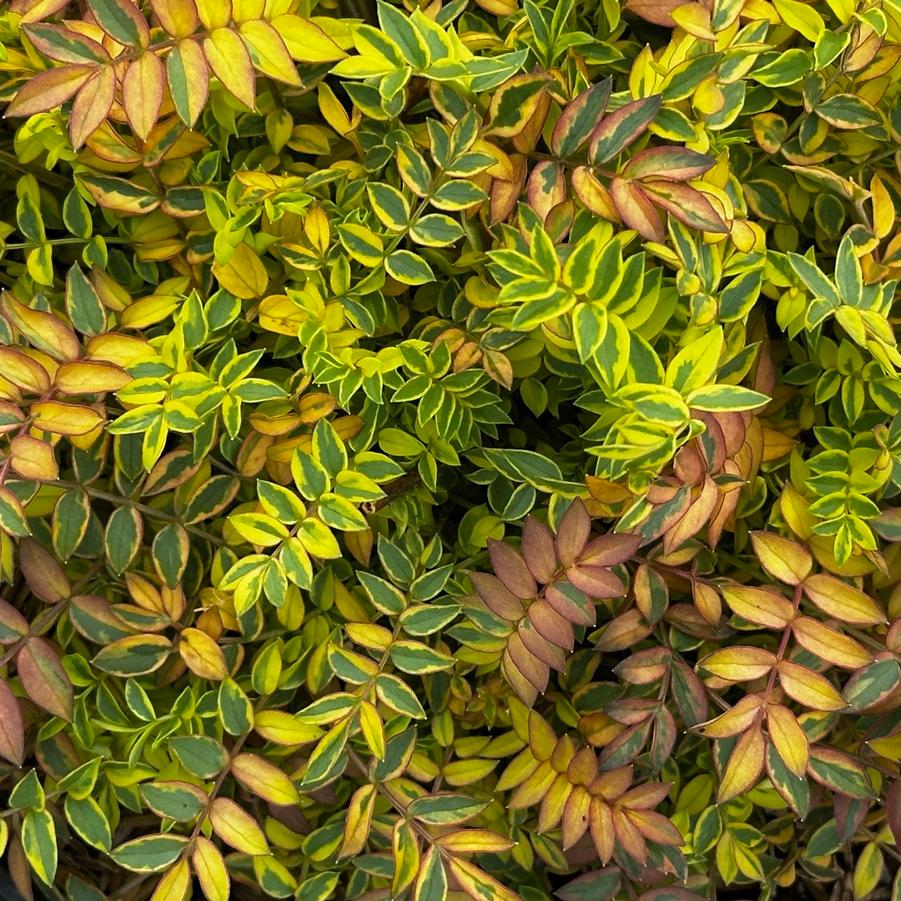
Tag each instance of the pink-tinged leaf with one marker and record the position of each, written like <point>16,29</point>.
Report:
<point>596,581</point>
<point>573,605</point>
<point>497,597</point>
<point>573,533</point>
<point>593,195</point>
<point>518,682</point>
<point>189,80</point>
<point>538,549</point>
<point>578,119</point>
<point>546,188</point>
<point>626,630</point>
<point>551,625</point>
<point>35,10</point>
<point>636,210</point>
<point>13,625</point>
<point>231,64</point>
<point>511,569</point>
<point>12,730</point>
<point>658,12</point>
<point>65,46</point>
<point>535,671</point>
<point>49,90</point>
<point>142,93</point>
<point>92,105</point>
<point>540,647</point>
<point>676,163</point>
<point>608,550</point>
<point>687,204</point>
<point>618,130</point>
<point>44,678</point>
<point>44,575</point>
<point>893,809</point>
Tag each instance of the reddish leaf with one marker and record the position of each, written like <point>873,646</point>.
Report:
<point>12,731</point>
<point>92,105</point>
<point>573,533</point>
<point>676,163</point>
<point>636,210</point>
<point>48,90</point>
<point>44,678</point>
<point>538,549</point>
<point>511,569</point>
<point>687,204</point>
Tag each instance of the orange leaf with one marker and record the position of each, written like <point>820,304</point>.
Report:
<point>92,105</point>
<point>142,93</point>
<point>49,90</point>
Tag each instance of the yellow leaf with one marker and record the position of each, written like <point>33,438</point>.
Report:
<point>85,377</point>
<point>840,600</point>
<point>264,779</point>
<point>739,664</point>
<point>268,51</point>
<point>883,208</point>
<point>305,40</point>
<point>405,845</point>
<point>783,559</point>
<point>474,841</point>
<point>210,869</point>
<point>64,419</point>
<point>358,821</point>
<point>809,688</point>
<point>830,645</point>
<point>759,606</point>
<point>33,459</point>
<point>237,828</point>
<point>177,17</point>
<point>744,767</point>
<point>202,655</point>
<point>478,884</point>
<point>789,738</point>
<point>801,18</point>
<point>231,64</point>
<point>244,275</point>
<point>23,371</point>
<point>283,729</point>
<point>174,886</point>
<point>372,728</point>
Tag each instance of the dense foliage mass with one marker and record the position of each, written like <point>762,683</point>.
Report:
<point>450,451</point>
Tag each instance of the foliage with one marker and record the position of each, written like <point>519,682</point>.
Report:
<point>450,451</point>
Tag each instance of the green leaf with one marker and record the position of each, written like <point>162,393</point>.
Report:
<point>204,757</point>
<point>150,853</point>
<point>444,809</point>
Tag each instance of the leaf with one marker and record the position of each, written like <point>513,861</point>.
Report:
<point>759,606</point>
<point>236,827</point>
<point>579,118</point>
<point>49,89</point>
<point>685,203</point>
<point>44,678</point>
<point>264,780</point>
<point>12,730</point>
<point>268,51</point>
<point>134,655</point>
<point>121,20</point>
<point>431,883</point>
<point>744,767</point>
<point>444,809</point>
<point>188,77</point>
<point>618,130</point>
<point>211,870</point>
<point>92,105</point>
<point>841,601</point>
<point>142,93</point>
<point>231,64</point>
<point>150,853</point>
<point>39,844</point>
<point>847,111</point>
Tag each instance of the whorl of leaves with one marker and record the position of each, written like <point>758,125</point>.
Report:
<point>450,449</point>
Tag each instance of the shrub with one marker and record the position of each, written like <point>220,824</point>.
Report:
<point>450,452</point>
